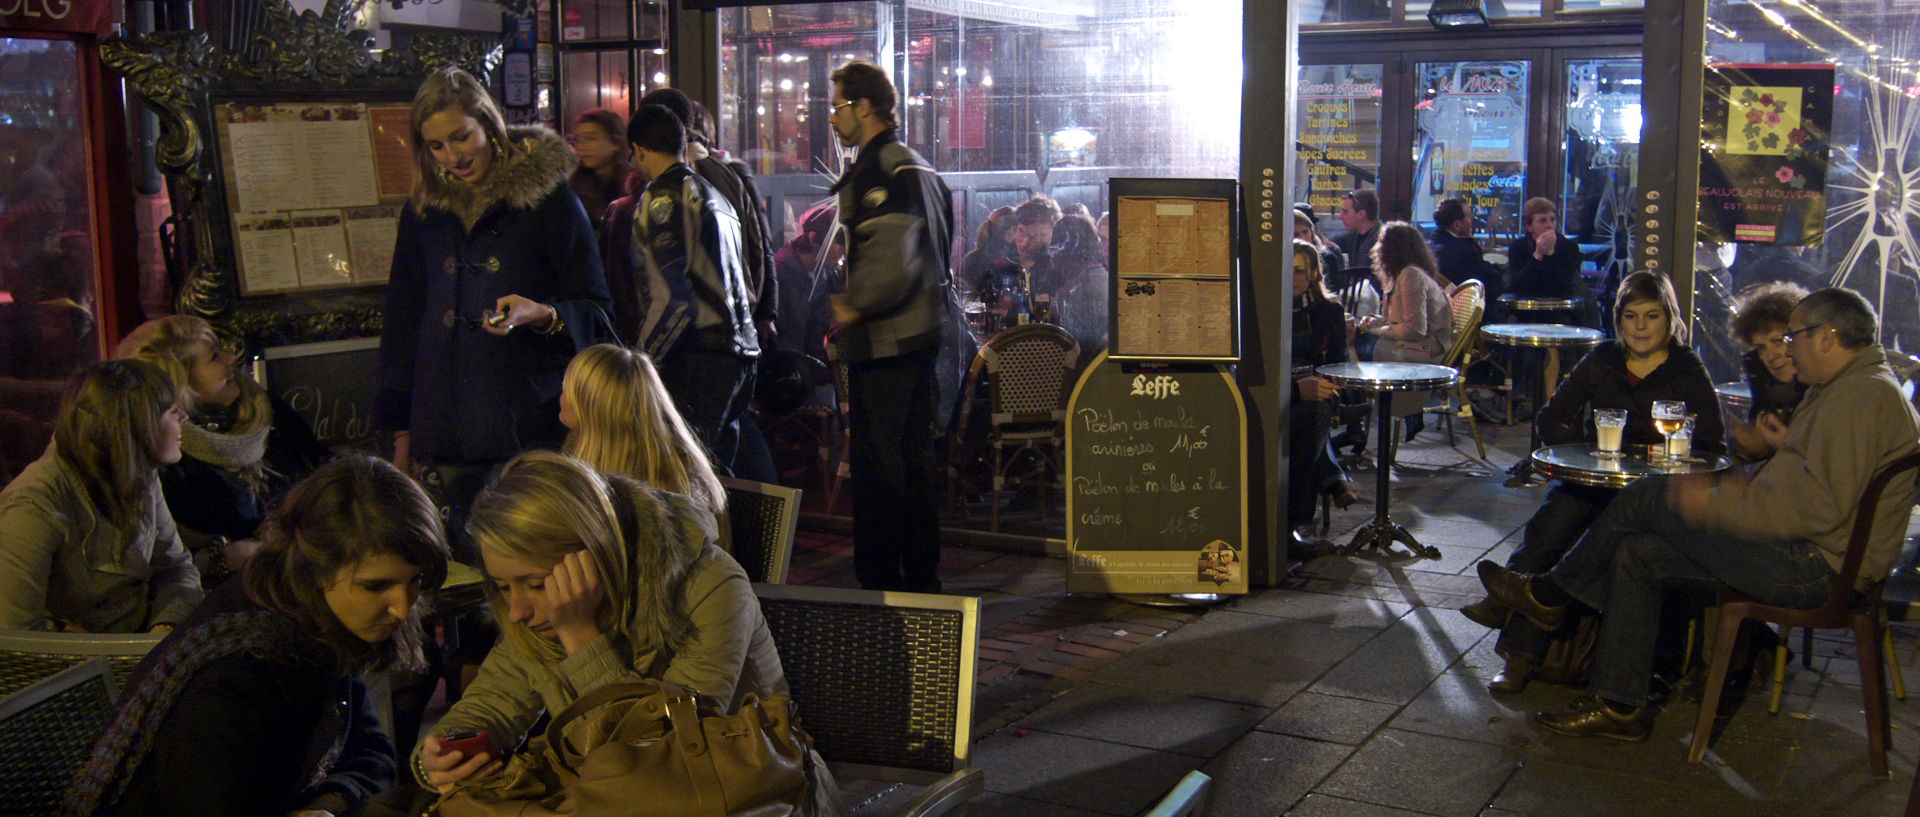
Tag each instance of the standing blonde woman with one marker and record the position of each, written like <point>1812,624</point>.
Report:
<point>596,579</point>
<point>240,449</point>
<point>622,421</point>
<point>86,541</point>
<point>496,283</point>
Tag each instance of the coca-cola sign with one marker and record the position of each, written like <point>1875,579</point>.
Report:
<point>82,16</point>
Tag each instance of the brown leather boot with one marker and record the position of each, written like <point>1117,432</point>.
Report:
<point>1486,613</point>
<point>1589,716</point>
<point>1510,588</point>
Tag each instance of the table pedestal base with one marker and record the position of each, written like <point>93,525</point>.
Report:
<point>1380,535</point>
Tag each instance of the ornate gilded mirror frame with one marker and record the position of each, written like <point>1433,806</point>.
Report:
<point>303,56</point>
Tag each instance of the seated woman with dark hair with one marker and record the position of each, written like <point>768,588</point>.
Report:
<point>1760,321</point>
<point>86,541</point>
<point>1648,361</point>
<point>255,706</point>
<point>240,449</point>
<point>595,579</point>
<point>1319,338</point>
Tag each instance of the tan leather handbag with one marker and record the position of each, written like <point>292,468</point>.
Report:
<point>649,747</point>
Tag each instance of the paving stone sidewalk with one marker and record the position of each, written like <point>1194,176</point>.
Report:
<point>1356,689</point>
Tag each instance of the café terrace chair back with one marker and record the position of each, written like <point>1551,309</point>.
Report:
<point>762,519</point>
<point>1859,611</point>
<point>884,684</point>
<point>28,656</point>
<point>1469,311</point>
<point>1026,370</point>
<point>47,730</point>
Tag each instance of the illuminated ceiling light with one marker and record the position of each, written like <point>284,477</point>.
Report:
<point>786,57</point>
<point>659,77</point>
<point>1457,15</point>
<point>987,81</point>
<point>786,85</point>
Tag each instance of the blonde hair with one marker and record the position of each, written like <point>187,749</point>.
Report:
<point>163,342</point>
<point>109,433</point>
<point>628,425</point>
<point>451,88</point>
<point>544,506</point>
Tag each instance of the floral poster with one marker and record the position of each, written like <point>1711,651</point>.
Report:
<point>1763,153</point>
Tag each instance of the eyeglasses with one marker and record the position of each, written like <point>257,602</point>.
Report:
<point>1790,337</point>
<point>836,108</point>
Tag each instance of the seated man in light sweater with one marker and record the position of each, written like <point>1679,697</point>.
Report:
<point>1775,533</point>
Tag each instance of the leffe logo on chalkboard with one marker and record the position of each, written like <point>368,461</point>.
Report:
<point>1160,387</point>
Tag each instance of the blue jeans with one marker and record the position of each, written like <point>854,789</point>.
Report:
<point>1554,528</point>
<point>712,391</point>
<point>1638,546</point>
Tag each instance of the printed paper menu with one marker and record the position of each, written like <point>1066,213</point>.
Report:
<point>1174,289</point>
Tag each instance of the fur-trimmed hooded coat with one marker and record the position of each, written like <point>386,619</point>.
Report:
<point>682,590</point>
<point>465,394</point>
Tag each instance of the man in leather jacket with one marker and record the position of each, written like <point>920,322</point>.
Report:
<point>695,302</point>
<point>899,219</point>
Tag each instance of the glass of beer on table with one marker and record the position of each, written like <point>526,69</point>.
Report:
<point>1608,425</point>
<point>1668,417</point>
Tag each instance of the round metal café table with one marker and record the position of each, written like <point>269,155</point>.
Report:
<point>1550,337</point>
<point>1380,378</point>
<point>1524,303</point>
<point>1579,463</point>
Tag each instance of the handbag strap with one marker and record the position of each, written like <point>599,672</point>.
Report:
<point>683,713</point>
<point>611,693</point>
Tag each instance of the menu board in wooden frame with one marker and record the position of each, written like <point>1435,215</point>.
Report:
<point>1176,284</point>
<point>315,190</point>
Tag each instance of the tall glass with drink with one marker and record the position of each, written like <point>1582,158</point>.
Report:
<point>1668,417</point>
<point>1608,426</point>
<point>1680,442</point>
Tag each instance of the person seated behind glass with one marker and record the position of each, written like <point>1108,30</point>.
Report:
<point>595,579</point>
<point>1080,304</point>
<point>989,246</point>
<point>1023,283</point>
<point>1545,264</point>
<point>1649,360</point>
<point>241,447</point>
<point>621,420</point>
<point>809,270</point>
<point>1760,319</point>
<point>256,705</point>
<point>1416,325</point>
<point>1456,252</point>
<point>86,541</point>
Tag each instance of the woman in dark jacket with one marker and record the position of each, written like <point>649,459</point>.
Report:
<point>1760,321</point>
<point>599,141</point>
<point>255,706</point>
<point>496,284</point>
<point>1319,338</point>
<point>241,449</point>
<point>1649,361</point>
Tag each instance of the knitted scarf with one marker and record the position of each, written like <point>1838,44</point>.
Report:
<point>118,752</point>
<point>240,449</point>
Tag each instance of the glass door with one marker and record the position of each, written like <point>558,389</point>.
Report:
<point>1600,150</point>
<point>1470,133</point>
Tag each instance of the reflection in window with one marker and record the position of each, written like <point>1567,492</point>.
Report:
<point>1600,5</point>
<point>1602,150</point>
<point>1344,11</point>
<point>1872,232</point>
<point>1338,135</point>
<point>47,323</point>
<point>1008,100</point>
<point>1470,141</point>
<point>1417,9</point>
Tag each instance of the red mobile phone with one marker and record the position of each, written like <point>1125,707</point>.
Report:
<point>468,744</point>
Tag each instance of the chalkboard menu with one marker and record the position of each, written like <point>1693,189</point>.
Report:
<point>331,385</point>
<point>1156,480</point>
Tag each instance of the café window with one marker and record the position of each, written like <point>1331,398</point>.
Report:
<point>611,52</point>
<point>1602,159</point>
<point>1470,141</point>
<point>1338,137</point>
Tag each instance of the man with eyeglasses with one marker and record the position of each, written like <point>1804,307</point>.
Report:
<point>1776,532</point>
<point>892,321</point>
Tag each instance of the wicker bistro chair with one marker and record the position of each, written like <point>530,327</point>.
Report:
<point>47,729</point>
<point>884,684</point>
<point>762,519</point>
<point>1859,611</point>
<point>28,656</point>
<point>1469,310</point>
<point>1026,370</point>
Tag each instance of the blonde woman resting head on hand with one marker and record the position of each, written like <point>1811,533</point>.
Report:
<point>621,420</point>
<point>597,579</point>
